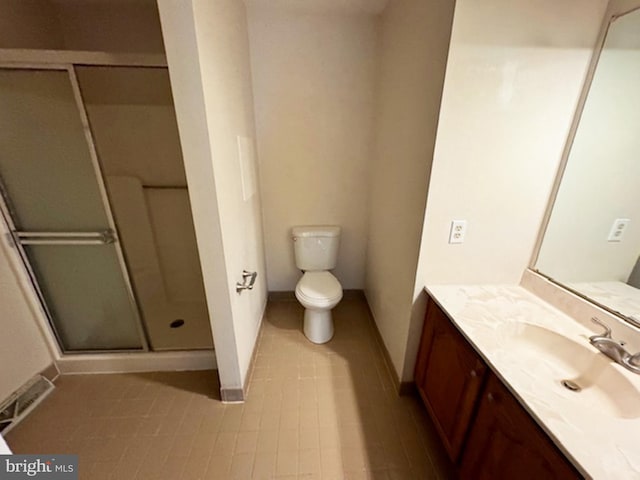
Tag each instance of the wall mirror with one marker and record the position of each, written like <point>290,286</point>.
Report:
<point>591,242</point>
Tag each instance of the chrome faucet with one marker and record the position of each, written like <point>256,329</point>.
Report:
<point>613,349</point>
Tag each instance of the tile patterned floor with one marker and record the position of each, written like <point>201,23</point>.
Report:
<point>313,412</point>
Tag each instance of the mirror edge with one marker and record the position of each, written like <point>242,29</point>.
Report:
<point>615,9</point>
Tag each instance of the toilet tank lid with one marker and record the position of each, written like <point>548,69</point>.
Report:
<point>316,231</point>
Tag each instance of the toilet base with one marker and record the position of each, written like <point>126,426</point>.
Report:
<point>318,325</point>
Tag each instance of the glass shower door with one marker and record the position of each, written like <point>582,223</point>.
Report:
<point>55,204</point>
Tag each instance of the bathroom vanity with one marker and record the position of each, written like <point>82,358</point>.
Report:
<point>490,370</point>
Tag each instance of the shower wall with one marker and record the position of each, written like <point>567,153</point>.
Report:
<point>134,128</point>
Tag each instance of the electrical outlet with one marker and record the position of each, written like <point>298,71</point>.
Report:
<point>458,231</point>
<point>620,225</point>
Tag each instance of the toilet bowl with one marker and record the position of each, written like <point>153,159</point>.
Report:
<point>315,249</point>
<point>318,292</point>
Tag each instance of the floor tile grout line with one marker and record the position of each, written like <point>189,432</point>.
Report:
<point>325,384</point>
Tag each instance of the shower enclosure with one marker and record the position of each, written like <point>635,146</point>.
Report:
<point>95,196</point>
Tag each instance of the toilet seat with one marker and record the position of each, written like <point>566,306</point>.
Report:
<point>319,289</point>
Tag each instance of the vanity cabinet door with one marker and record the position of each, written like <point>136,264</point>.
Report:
<point>449,376</point>
<point>506,443</point>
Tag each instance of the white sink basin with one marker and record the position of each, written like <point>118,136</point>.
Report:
<point>602,387</point>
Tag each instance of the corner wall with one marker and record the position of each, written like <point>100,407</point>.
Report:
<point>513,79</point>
<point>208,55</point>
<point>413,43</point>
<point>512,85</point>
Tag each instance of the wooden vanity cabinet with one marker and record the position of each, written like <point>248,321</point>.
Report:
<point>506,443</point>
<point>485,430</point>
<point>449,375</point>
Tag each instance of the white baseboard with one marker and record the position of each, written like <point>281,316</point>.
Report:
<point>137,362</point>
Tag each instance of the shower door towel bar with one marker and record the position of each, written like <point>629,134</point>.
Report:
<point>104,237</point>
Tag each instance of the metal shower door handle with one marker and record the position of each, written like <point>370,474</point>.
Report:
<point>104,237</point>
<point>246,285</point>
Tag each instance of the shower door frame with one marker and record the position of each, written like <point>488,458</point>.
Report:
<point>5,212</point>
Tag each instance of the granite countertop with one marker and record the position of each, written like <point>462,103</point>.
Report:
<point>532,346</point>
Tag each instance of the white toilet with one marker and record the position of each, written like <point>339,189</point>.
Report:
<point>316,252</point>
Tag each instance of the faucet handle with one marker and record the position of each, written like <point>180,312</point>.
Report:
<point>607,330</point>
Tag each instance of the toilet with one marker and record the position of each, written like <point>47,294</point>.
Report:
<point>316,252</point>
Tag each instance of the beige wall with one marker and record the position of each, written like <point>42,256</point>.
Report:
<point>313,79</point>
<point>23,351</point>
<point>600,183</point>
<point>29,24</point>
<point>223,41</point>
<point>412,54</point>
<point>512,85</point>
<point>208,55</point>
<point>324,6</point>
<point>110,26</point>
<point>122,26</point>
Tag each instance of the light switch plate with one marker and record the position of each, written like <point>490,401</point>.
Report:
<point>458,231</point>
<point>619,227</point>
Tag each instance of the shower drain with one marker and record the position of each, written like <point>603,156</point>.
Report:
<point>571,385</point>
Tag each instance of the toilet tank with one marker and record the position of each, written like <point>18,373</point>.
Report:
<point>316,246</point>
